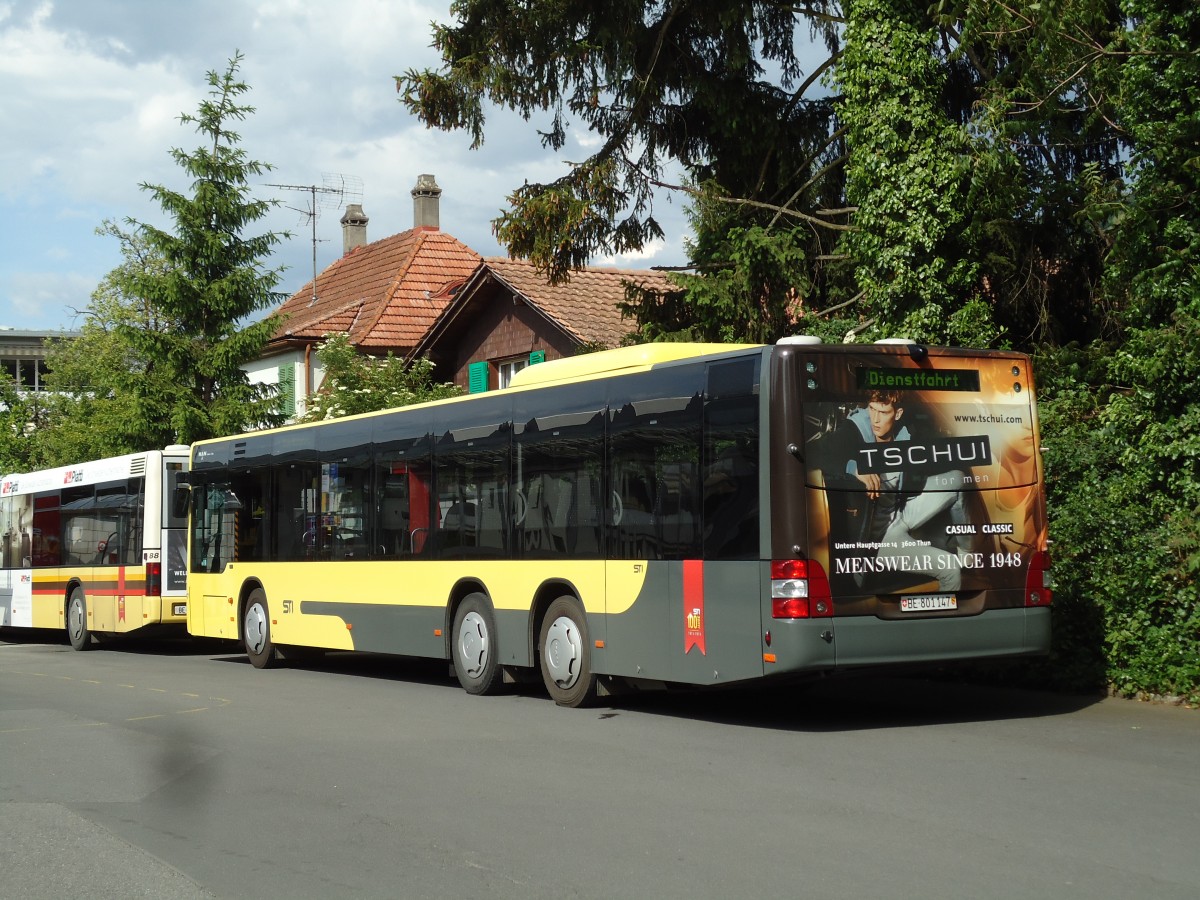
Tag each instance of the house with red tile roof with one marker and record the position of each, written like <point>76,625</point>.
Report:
<point>507,315</point>
<point>424,293</point>
<point>385,295</point>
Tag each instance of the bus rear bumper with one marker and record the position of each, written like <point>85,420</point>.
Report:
<point>867,641</point>
<point>852,642</point>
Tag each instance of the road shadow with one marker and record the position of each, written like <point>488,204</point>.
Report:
<point>167,641</point>
<point>857,702</point>
<point>840,703</point>
<point>400,669</point>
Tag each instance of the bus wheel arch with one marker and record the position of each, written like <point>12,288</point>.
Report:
<point>254,625</point>
<point>474,644</point>
<point>565,652</point>
<point>75,612</point>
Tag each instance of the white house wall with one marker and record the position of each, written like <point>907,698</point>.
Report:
<point>273,370</point>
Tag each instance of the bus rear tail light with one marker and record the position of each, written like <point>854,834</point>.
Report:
<point>154,579</point>
<point>799,590</point>
<point>1039,582</point>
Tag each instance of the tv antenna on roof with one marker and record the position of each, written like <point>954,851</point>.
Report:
<point>334,192</point>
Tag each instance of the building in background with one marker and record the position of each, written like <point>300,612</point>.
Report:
<point>423,292</point>
<point>23,355</point>
<point>508,316</point>
<point>384,295</point>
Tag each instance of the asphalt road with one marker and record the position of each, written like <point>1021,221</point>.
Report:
<point>169,770</point>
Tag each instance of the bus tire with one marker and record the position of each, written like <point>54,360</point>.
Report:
<point>565,654</point>
<point>256,631</point>
<point>476,651</point>
<point>78,632</point>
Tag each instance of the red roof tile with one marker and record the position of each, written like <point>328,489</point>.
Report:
<point>586,306</point>
<point>385,295</point>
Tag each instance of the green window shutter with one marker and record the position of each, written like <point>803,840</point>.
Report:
<point>537,356</point>
<point>477,377</point>
<point>287,390</point>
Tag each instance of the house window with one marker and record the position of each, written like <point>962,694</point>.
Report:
<point>507,369</point>
<point>510,367</point>
<point>478,372</point>
<point>28,374</point>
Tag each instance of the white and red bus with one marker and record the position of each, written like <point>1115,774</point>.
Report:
<point>94,548</point>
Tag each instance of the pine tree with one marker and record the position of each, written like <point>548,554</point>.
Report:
<point>212,280</point>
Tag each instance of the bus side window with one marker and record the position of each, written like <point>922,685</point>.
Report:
<point>558,471</point>
<point>45,546</point>
<point>401,509</point>
<point>654,456</point>
<point>731,503</point>
<point>472,515</point>
<point>394,514</point>
<point>731,447</point>
<point>295,511</point>
<point>341,525</point>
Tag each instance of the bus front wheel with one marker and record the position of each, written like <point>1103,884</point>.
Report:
<point>476,653</point>
<point>77,628</point>
<point>565,654</point>
<point>256,631</point>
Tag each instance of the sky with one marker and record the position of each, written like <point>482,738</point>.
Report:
<point>91,92</point>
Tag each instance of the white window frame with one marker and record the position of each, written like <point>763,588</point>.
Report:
<point>506,369</point>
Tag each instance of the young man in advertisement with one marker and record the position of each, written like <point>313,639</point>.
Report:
<point>900,498</point>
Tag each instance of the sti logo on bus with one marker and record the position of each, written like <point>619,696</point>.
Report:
<point>9,487</point>
<point>73,476</point>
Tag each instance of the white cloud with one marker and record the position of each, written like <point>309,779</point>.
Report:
<point>91,94</point>
<point>29,296</point>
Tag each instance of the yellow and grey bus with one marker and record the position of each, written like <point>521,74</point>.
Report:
<point>95,548</point>
<point>656,515</point>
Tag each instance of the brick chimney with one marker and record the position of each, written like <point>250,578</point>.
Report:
<point>425,202</point>
<point>354,227</point>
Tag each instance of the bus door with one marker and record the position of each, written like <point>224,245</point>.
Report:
<point>174,539</point>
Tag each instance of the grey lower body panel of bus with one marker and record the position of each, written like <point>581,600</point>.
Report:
<point>868,641</point>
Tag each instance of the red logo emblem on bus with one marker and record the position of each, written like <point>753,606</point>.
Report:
<point>693,606</point>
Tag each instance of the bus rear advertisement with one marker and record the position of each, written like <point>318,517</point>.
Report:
<point>925,497</point>
<point>658,515</point>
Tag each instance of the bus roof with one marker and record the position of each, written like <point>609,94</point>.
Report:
<point>91,471</point>
<point>623,360</point>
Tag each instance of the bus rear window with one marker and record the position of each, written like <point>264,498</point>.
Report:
<point>873,429</point>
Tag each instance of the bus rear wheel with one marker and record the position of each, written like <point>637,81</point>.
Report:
<point>476,652</point>
<point>77,628</point>
<point>565,654</point>
<point>256,631</point>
